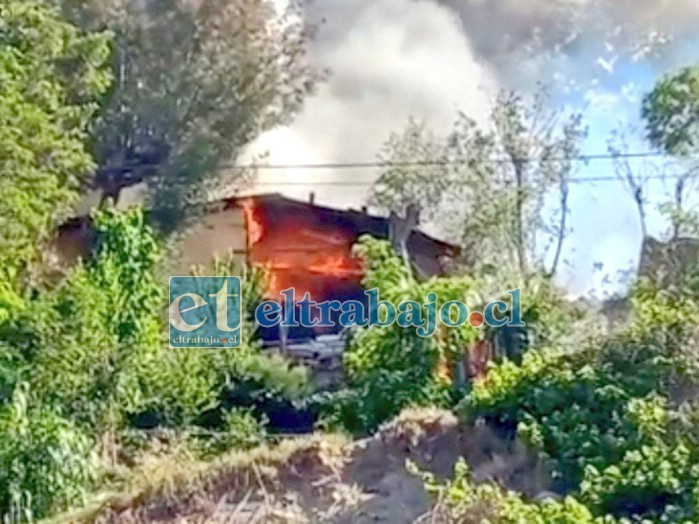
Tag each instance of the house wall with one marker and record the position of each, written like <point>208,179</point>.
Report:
<point>314,244</point>
<point>215,234</point>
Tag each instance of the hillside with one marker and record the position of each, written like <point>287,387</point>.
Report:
<point>318,478</point>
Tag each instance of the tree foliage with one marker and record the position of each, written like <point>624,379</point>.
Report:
<point>51,74</point>
<point>413,171</point>
<point>388,368</point>
<point>195,81</point>
<point>95,346</point>
<point>671,112</point>
<point>499,177</point>
<point>607,416</point>
<point>86,361</point>
<point>89,340</point>
<point>46,463</point>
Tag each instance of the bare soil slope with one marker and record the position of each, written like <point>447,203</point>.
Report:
<point>323,480</point>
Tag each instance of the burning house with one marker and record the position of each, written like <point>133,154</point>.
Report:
<point>300,244</point>
<point>307,247</point>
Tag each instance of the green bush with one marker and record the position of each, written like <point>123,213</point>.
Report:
<point>604,415</point>
<point>572,411</point>
<point>196,387</point>
<point>657,482</point>
<point>240,429</point>
<point>95,347</point>
<point>93,340</point>
<point>463,501</point>
<point>46,464</point>
<point>390,368</point>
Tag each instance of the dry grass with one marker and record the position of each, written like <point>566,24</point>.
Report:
<point>168,482</point>
<point>319,478</point>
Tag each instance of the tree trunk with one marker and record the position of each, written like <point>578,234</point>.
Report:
<point>521,248</point>
<point>110,194</point>
<point>561,230</point>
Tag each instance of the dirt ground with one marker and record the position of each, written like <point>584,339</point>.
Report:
<point>363,482</point>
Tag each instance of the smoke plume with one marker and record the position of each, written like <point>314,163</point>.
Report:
<point>391,59</point>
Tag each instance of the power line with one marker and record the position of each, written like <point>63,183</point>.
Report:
<point>434,163</point>
<point>366,183</point>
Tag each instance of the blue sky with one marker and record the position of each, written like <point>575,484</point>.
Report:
<point>391,59</point>
<point>605,222</point>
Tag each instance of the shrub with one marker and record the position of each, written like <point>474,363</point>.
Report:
<point>92,341</point>
<point>240,429</point>
<point>199,386</point>
<point>603,414</point>
<point>389,368</point>
<point>655,482</point>
<point>461,500</point>
<point>97,350</point>
<point>253,281</point>
<point>46,464</point>
<point>196,387</point>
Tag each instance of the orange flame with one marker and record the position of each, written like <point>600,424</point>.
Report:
<point>300,251</point>
<point>340,266</point>
<point>254,225</point>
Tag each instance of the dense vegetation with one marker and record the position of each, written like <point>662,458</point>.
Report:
<point>85,362</point>
<point>614,419</point>
<point>84,366</point>
<point>87,379</point>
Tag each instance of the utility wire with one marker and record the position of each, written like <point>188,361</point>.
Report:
<point>366,183</point>
<point>431,163</point>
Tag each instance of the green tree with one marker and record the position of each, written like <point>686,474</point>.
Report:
<point>505,174</point>
<point>195,82</point>
<point>671,112</point>
<point>498,178</point>
<point>671,115</point>
<point>94,342</point>
<point>413,171</point>
<point>51,75</point>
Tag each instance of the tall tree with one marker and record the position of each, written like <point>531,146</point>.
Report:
<point>196,80</point>
<point>671,114</point>
<point>51,75</point>
<point>491,184</point>
<point>413,171</point>
<point>507,172</point>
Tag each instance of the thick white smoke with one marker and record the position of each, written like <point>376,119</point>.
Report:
<point>394,58</point>
<point>389,59</point>
<point>582,40</point>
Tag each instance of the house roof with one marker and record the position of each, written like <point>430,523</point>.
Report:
<point>358,221</point>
